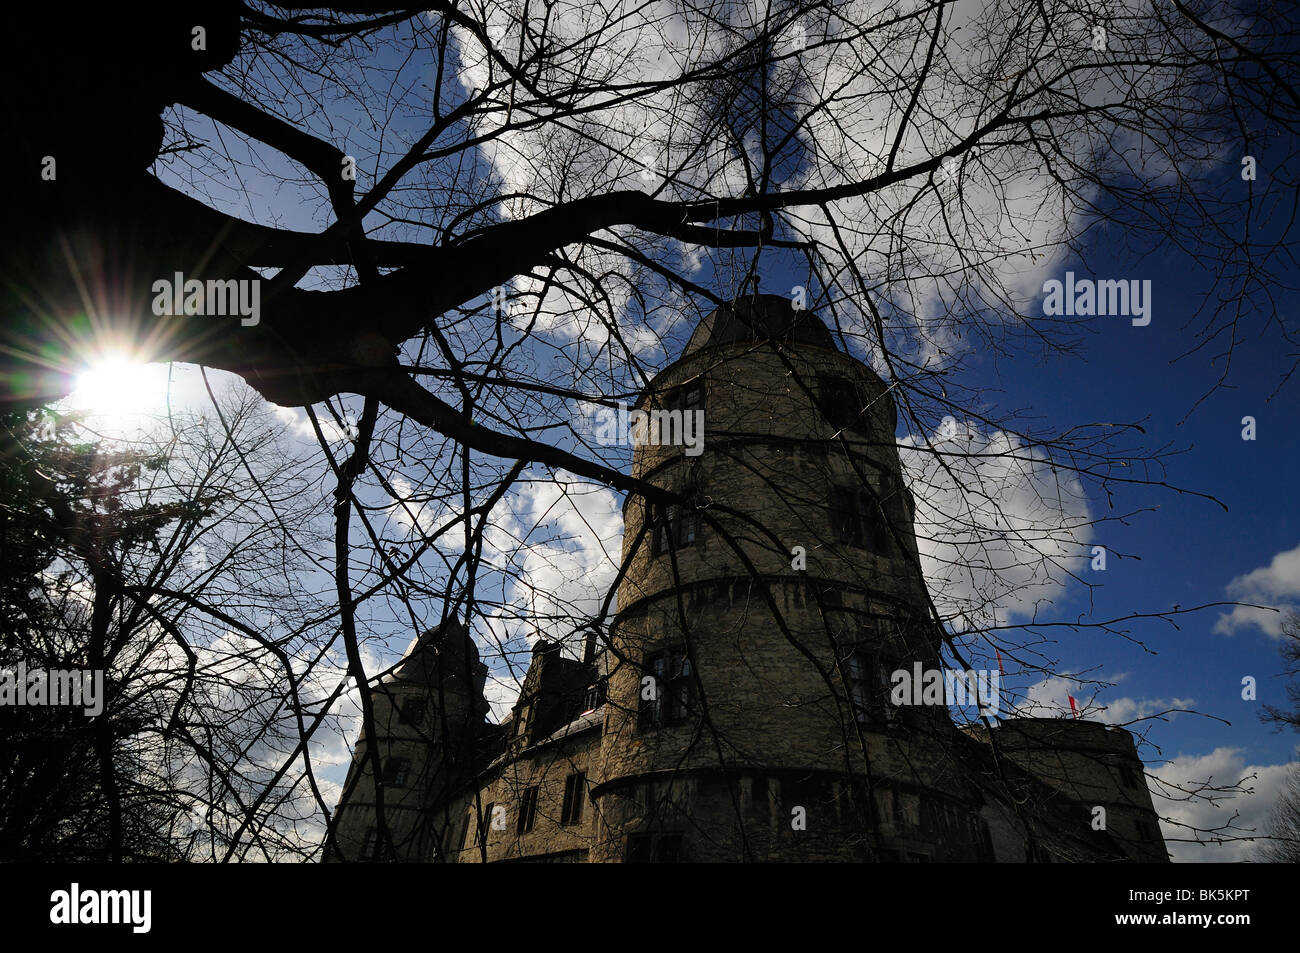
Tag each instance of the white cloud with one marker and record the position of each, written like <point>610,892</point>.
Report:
<point>416,516</point>
<point>574,533</point>
<point>296,421</point>
<point>559,541</point>
<point>1236,814</point>
<point>995,525</point>
<point>501,690</point>
<point>1050,698</point>
<point>1276,585</point>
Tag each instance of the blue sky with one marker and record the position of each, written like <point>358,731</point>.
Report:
<point>1189,549</point>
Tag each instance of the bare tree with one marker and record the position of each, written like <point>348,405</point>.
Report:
<point>176,568</point>
<point>1283,846</point>
<point>468,226</point>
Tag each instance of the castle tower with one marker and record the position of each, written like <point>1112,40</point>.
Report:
<point>762,613</point>
<point>738,708</point>
<point>429,724</point>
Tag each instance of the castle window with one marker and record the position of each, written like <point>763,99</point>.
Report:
<point>654,849</point>
<point>983,840</point>
<point>485,822</point>
<point>839,402</point>
<point>396,772</point>
<point>936,815</point>
<point>906,810</point>
<point>373,850</point>
<point>1126,775</point>
<point>638,848</point>
<point>412,712</point>
<point>575,789</point>
<point>856,519</point>
<point>667,698</point>
<point>669,849</point>
<point>687,397</point>
<point>594,697</point>
<point>527,811</point>
<point>675,527</point>
<point>526,716</point>
<point>867,679</point>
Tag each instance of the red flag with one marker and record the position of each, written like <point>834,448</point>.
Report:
<point>1073,707</point>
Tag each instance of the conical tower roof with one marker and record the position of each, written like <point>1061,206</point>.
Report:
<point>759,317</point>
<point>435,648</point>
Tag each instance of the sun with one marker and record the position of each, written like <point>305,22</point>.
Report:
<point>120,388</point>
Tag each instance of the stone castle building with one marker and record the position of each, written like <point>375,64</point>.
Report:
<point>738,707</point>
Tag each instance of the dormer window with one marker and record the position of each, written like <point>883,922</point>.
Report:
<point>527,715</point>
<point>594,697</point>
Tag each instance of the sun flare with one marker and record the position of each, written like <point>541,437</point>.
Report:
<point>119,387</point>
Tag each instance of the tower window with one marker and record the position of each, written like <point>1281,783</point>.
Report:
<point>396,772</point>
<point>856,519</point>
<point>654,849</point>
<point>840,402</point>
<point>687,397</point>
<point>412,712</point>
<point>575,789</point>
<point>675,527</point>
<point>983,840</point>
<point>370,851</point>
<point>485,822</point>
<point>666,690</point>
<point>866,678</point>
<point>527,811</point>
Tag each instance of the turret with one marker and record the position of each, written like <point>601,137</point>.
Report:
<point>429,713</point>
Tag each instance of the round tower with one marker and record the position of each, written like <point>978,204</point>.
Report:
<point>763,611</point>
